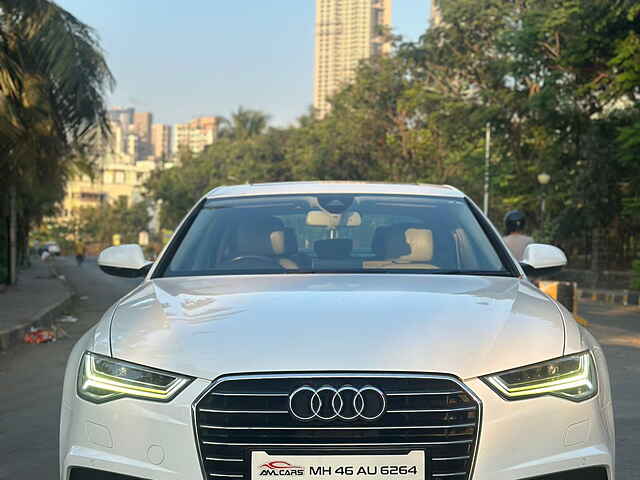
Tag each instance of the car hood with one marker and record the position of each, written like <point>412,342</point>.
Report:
<point>461,325</point>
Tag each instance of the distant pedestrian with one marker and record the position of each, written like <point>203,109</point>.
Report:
<point>80,252</point>
<point>515,238</point>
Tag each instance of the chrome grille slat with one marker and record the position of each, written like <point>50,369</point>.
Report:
<point>448,459</point>
<point>437,410</point>
<point>250,394</point>
<point>244,412</point>
<point>434,413</point>
<point>409,427</point>
<point>409,394</point>
<point>345,444</point>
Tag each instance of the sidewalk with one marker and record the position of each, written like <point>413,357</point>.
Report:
<point>36,300</point>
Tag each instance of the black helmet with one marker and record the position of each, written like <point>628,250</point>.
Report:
<point>514,221</point>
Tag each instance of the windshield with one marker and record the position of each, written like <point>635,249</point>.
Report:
<point>334,234</point>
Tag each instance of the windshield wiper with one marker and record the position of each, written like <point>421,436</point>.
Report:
<point>485,273</point>
<point>420,271</point>
<point>456,271</point>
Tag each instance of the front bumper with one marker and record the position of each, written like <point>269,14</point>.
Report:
<point>518,440</point>
<point>530,438</point>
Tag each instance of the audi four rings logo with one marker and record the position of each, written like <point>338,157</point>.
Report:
<point>328,403</point>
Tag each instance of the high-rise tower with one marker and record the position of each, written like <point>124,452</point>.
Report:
<point>436,13</point>
<point>347,31</point>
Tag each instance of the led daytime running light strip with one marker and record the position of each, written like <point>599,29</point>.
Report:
<point>580,378</point>
<point>93,378</point>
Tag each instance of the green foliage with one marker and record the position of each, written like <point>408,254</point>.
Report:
<point>97,225</point>
<point>53,79</point>
<point>243,124</point>
<point>635,283</point>
<point>557,81</point>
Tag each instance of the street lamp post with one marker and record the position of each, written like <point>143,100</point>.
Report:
<point>543,180</point>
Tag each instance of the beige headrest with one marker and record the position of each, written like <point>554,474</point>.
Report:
<point>420,240</point>
<point>277,242</point>
<point>319,218</point>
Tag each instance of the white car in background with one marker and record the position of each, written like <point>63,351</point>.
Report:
<point>53,248</point>
<point>334,331</point>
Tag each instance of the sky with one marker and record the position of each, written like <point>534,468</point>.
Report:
<point>190,58</point>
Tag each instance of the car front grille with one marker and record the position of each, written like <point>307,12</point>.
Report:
<point>434,413</point>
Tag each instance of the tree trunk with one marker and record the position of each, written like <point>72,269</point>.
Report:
<point>26,242</point>
<point>25,259</point>
<point>13,242</point>
<point>595,254</point>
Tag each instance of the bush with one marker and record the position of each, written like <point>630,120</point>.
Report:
<point>4,253</point>
<point>635,282</point>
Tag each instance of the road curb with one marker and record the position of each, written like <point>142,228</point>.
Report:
<point>627,298</point>
<point>44,318</point>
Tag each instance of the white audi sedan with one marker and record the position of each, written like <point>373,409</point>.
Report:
<point>334,331</point>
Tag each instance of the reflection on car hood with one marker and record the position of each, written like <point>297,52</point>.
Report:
<point>461,325</point>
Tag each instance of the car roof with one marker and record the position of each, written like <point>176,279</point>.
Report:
<point>334,187</point>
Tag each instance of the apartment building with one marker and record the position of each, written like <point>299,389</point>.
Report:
<point>161,140</point>
<point>141,126</point>
<point>347,31</point>
<point>195,135</point>
<point>135,148</point>
<point>118,176</point>
<point>124,116</point>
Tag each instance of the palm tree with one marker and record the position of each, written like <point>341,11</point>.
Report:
<point>243,124</point>
<point>53,81</point>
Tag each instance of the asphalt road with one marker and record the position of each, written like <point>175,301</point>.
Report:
<point>618,331</point>
<point>31,379</point>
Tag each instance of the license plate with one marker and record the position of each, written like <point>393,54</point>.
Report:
<point>409,466</point>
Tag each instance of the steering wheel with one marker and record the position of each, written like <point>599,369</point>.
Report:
<point>260,258</point>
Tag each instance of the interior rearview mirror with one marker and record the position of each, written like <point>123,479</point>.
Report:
<point>124,261</point>
<point>540,259</point>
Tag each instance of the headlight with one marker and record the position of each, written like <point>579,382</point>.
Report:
<point>102,379</point>
<point>572,377</point>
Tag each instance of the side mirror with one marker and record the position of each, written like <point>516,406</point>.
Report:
<point>542,259</point>
<point>124,261</point>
